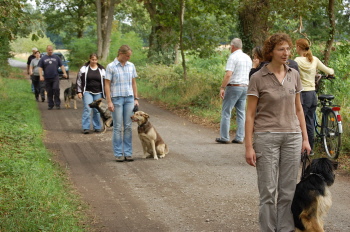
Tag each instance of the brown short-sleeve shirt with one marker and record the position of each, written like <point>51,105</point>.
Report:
<point>276,110</point>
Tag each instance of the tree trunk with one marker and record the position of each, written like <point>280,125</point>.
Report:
<point>182,14</point>
<point>162,39</point>
<point>105,13</point>
<point>329,44</point>
<point>253,23</point>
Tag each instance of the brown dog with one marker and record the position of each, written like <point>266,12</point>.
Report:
<point>105,114</point>
<point>151,141</point>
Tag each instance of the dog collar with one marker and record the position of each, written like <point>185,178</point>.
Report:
<point>319,175</point>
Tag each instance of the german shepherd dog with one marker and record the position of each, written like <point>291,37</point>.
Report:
<point>151,141</point>
<point>69,94</point>
<point>106,115</point>
<point>312,198</point>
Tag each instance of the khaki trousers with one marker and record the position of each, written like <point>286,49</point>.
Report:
<point>278,160</point>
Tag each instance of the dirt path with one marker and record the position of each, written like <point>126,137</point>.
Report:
<point>199,186</point>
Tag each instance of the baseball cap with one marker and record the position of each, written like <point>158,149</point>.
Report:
<point>34,49</point>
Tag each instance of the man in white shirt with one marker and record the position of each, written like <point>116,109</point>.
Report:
<point>233,91</point>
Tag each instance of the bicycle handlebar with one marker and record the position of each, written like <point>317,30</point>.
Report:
<point>328,77</point>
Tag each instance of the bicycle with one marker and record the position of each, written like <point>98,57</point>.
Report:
<point>330,129</point>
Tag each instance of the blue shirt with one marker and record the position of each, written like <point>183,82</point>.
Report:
<point>50,65</point>
<point>121,78</point>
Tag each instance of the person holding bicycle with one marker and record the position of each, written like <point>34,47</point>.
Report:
<point>275,119</point>
<point>308,66</point>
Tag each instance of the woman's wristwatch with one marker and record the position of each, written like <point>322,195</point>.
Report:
<point>136,98</point>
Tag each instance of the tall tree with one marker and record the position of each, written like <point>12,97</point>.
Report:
<point>329,44</point>
<point>105,17</point>
<point>163,38</point>
<point>14,21</point>
<point>254,22</point>
<point>67,17</point>
<point>182,15</point>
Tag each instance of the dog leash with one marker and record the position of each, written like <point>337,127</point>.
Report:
<point>304,158</point>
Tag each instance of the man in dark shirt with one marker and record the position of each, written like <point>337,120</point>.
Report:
<point>49,65</point>
<point>32,56</point>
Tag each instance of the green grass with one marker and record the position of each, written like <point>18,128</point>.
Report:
<point>34,194</point>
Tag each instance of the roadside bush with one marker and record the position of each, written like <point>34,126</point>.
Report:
<point>198,93</point>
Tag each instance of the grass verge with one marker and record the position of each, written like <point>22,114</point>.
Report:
<point>34,194</point>
<point>197,98</point>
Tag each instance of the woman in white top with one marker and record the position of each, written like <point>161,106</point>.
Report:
<point>90,87</point>
<point>308,66</point>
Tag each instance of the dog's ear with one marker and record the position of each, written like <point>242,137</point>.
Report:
<point>145,115</point>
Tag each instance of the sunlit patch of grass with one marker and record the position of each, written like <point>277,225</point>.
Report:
<point>34,195</point>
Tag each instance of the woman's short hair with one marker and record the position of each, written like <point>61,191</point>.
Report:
<point>271,42</point>
<point>124,49</point>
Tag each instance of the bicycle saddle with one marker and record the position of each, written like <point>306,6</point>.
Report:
<point>325,97</point>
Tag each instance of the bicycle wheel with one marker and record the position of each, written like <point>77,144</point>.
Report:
<point>331,135</point>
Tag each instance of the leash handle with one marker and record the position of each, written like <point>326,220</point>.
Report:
<point>304,159</point>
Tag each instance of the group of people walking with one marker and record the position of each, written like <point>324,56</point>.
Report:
<point>274,98</point>
<point>277,121</point>
<point>44,74</point>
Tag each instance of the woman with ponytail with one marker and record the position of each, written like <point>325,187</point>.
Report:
<point>308,66</point>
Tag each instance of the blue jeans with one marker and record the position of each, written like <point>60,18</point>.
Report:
<point>122,125</point>
<point>96,121</point>
<point>235,96</point>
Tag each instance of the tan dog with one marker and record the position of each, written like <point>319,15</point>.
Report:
<point>151,141</point>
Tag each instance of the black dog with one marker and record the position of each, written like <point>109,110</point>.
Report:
<point>104,112</point>
<point>312,198</point>
<point>69,94</point>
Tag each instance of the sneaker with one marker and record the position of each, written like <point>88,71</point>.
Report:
<point>236,141</point>
<point>97,130</point>
<point>220,140</point>
<point>58,107</point>
<point>312,153</point>
<point>129,158</point>
<point>50,108</point>
<point>120,159</point>
<point>86,131</point>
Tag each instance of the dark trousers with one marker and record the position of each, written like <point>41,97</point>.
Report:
<point>309,103</point>
<point>53,91</point>
<point>39,87</point>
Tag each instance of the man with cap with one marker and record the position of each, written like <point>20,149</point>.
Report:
<point>30,58</point>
